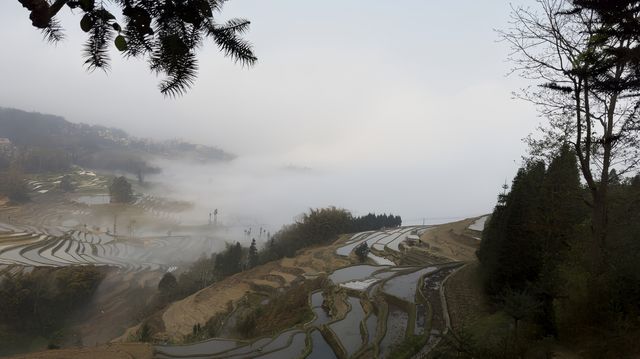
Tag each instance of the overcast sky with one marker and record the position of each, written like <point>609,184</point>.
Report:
<point>394,106</point>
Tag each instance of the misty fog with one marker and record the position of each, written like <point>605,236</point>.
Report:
<point>266,191</point>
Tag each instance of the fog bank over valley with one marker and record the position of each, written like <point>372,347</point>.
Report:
<point>270,191</point>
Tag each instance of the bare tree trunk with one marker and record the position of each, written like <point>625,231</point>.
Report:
<point>599,226</point>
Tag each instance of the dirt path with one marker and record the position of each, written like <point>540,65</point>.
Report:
<point>466,301</point>
<point>451,240</point>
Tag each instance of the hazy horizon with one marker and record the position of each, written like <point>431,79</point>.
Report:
<point>367,106</point>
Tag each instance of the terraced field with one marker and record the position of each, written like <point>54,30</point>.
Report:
<point>385,303</point>
<point>138,242</point>
<point>28,246</point>
<point>58,229</point>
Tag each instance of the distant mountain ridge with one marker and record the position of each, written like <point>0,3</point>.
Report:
<point>49,131</point>
<point>40,143</point>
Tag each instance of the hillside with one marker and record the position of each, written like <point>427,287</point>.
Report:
<point>66,143</point>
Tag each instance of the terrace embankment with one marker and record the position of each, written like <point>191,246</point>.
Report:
<point>232,297</point>
<point>179,317</point>
<point>110,351</point>
<point>452,240</point>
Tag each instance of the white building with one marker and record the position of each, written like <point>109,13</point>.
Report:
<point>5,144</point>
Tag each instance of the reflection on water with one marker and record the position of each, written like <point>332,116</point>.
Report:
<point>397,321</point>
<point>404,286</point>
<point>93,199</point>
<point>212,346</point>
<point>352,273</point>
<point>294,350</point>
<point>321,349</point>
<point>372,327</point>
<point>348,329</point>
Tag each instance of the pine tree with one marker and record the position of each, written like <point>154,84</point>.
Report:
<point>253,254</point>
<point>167,33</point>
<point>120,190</point>
<point>531,231</point>
<point>510,254</point>
<point>562,211</point>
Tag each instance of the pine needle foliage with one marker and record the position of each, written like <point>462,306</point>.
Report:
<point>167,33</point>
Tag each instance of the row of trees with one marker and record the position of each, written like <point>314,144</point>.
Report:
<point>39,160</point>
<point>39,303</point>
<point>532,229</point>
<point>319,226</point>
<point>207,270</point>
<point>36,159</point>
<point>373,221</point>
<point>535,255</point>
<point>565,237</point>
<point>583,57</point>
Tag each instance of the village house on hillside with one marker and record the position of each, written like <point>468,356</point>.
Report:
<point>5,144</point>
<point>6,147</point>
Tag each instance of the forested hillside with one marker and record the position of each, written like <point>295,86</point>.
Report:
<point>538,266</point>
<point>44,142</point>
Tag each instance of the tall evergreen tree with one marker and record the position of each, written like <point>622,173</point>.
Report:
<point>510,253</point>
<point>583,54</point>
<point>253,254</point>
<point>563,210</point>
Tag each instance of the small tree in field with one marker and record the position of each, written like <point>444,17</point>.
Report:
<point>120,190</point>
<point>65,184</point>
<point>362,250</point>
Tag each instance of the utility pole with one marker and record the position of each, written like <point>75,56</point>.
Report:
<point>215,217</point>
<point>132,225</point>
<point>115,217</point>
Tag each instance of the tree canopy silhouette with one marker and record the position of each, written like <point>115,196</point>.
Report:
<point>167,33</point>
<point>120,190</point>
<point>583,57</point>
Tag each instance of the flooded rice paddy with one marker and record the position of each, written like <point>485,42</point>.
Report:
<point>360,328</point>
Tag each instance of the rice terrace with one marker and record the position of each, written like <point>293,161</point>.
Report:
<point>208,179</point>
<point>352,307</point>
